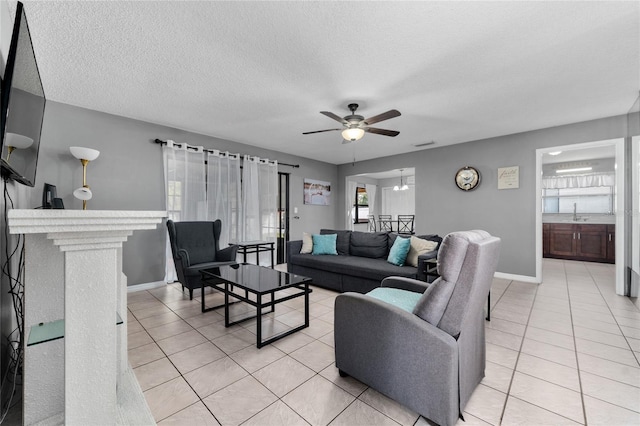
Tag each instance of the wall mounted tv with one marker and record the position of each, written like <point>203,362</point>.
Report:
<point>22,106</point>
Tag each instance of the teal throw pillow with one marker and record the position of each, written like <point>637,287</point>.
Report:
<point>324,244</point>
<point>399,251</point>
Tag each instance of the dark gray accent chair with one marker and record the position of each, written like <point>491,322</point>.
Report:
<point>429,356</point>
<point>195,246</point>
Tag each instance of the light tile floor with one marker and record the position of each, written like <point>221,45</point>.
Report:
<point>563,352</point>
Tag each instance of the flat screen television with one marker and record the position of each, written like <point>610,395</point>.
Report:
<point>22,106</point>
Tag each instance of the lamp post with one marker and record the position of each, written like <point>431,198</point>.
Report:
<point>85,155</point>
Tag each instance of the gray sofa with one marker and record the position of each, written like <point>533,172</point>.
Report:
<point>421,344</point>
<point>361,263</point>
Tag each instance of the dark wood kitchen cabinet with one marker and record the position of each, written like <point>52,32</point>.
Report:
<point>545,239</point>
<point>588,242</point>
<point>611,244</point>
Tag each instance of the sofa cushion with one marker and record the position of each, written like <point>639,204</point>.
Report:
<point>391,237</point>
<point>324,244</point>
<point>369,244</point>
<point>417,247</point>
<point>434,301</point>
<point>342,243</point>
<point>364,267</point>
<point>403,299</point>
<point>399,251</point>
<point>307,243</point>
<point>431,237</point>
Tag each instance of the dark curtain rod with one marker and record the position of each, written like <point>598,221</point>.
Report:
<point>161,142</point>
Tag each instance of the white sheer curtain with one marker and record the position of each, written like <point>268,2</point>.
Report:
<point>224,195</point>
<point>371,195</point>
<point>349,201</point>
<point>260,202</point>
<point>185,190</point>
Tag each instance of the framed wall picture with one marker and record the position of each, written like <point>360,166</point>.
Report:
<point>509,177</point>
<point>317,192</point>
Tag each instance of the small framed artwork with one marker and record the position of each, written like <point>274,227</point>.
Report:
<point>509,177</point>
<point>317,192</point>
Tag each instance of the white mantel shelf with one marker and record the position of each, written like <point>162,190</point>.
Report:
<point>75,221</point>
<point>73,271</point>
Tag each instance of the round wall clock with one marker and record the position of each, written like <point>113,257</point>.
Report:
<point>467,178</point>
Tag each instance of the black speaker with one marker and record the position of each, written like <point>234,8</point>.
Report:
<point>48,195</point>
<point>57,203</point>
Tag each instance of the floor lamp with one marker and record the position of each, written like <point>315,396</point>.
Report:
<point>84,155</point>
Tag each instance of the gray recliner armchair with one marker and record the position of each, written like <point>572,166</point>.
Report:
<point>195,246</point>
<point>421,344</point>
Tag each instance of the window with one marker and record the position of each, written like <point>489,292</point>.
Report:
<point>361,206</point>
<point>593,199</point>
<point>174,199</point>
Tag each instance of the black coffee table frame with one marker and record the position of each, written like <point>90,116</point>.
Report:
<point>213,278</point>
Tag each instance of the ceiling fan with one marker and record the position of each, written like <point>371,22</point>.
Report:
<point>355,126</point>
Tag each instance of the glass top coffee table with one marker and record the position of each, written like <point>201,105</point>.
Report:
<point>260,282</point>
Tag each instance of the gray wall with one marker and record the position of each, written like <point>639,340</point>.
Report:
<point>128,175</point>
<point>510,214</point>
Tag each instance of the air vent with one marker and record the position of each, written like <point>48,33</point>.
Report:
<point>420,145</point>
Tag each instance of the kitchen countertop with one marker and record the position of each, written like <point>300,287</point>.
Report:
<point>596,219</point>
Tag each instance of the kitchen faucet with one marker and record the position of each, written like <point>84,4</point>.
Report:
<point>575,216</point>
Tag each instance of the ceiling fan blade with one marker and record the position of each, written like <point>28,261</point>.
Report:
<point>334,116</point>
<point>320,131</point>
<point>381,131</point>
<point>384,116</point>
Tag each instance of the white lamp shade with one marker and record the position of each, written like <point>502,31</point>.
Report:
<point>18,141</point>
<point>82,153</point>
<point>353,134</point>
<point>83,194</point>
<point>396,188</point>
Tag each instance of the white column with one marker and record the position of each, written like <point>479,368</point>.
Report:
<point>90,337</point>
<point>74,259</point>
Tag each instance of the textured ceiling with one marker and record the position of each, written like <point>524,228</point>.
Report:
<point>260,72</point>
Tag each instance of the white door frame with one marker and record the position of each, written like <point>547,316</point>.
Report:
<point>619,203</point>
<point>635,211</point>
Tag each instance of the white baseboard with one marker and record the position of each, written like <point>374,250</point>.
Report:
<point>514,277</point>
<point>502,275</point>
<point>145,286</point>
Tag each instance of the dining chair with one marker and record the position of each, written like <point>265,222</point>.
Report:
<point>405,223</point>
<point>385,222</point>
<point>372,223</point>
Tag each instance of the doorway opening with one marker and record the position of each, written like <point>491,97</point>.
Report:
<point>567,199</point>
<point>388,193</point>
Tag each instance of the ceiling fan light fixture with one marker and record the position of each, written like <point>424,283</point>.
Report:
<point>353,134</point>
